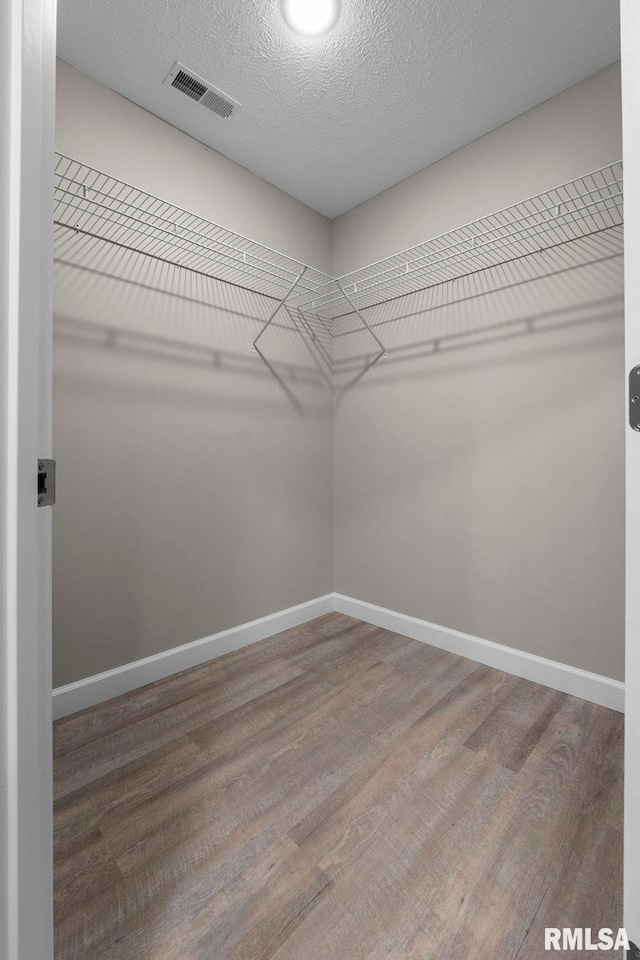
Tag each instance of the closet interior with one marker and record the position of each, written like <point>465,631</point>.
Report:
<point>336,583</point>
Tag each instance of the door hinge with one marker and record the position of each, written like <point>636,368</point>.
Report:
<point>46,483</point>
<point>634,398</point>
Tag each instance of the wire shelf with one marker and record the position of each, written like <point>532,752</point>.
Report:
<point>572,210</point>
<point>95,204</point>
<point>92,204</point>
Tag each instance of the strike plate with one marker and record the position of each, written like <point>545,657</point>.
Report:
<point>46,483</point>
<point>634,398</point>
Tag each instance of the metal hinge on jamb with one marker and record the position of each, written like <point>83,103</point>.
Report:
<point>46,483</point>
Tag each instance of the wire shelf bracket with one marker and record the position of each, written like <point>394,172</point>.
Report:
<point>254,347</point>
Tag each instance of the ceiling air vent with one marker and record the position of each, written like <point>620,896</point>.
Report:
<point>203,92</point>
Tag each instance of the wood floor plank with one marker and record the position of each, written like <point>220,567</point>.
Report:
<point>348,815</point>
<point>585,892</point>
<point>362,641</point>
<point>213,849</point>
<point>263,717</point>
<point>330,733</point>
<point>256,721</point>
<point>257,926</point>
<point>257,778</point>
<point>522,853</point>
<point>249,918</point>
<point>128,784</point>
<point>425,829</point>
<point>98,757</point>
<point>336,792</point>
<point>343,838</point>
<point>82,873</point>
<point>187,841</point>
<point>415,656</point>
<point>132,912</point>
<point>96,722</point>
<point>516,724</point>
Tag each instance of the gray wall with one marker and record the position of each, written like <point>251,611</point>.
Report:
<point>479,472</point>
<point>477,485</point>
<point>578,131</point>
<point>194,493</point>
<point>101,128</point>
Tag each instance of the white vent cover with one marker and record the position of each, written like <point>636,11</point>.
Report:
<point>200,90</point>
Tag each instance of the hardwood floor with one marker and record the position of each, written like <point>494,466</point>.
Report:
<point>337,792</point>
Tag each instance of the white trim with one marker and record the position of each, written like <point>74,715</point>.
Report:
<point>550,673</point>
<point>630,36</point>
<point>103,686</point>
<point>27,68</point>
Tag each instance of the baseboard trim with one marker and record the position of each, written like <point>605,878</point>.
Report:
<point>549,673</point>
<point>103,686</point>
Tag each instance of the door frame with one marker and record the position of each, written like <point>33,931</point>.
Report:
<point>630,34</point>
<point>27,113</point>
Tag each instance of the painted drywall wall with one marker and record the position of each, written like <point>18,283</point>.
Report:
<point>195,483</point>
<point>565,137</point>
<point>101,128</point>
<point>479,471</point>
<point>194,493</point>
<point>472,487</point>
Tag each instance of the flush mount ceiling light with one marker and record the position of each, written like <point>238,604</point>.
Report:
<point>311,18</point>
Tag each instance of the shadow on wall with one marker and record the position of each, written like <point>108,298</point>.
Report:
<point>572,281</point>
<point>122,300</point>
<point>479,471</point>
<point>190,472</point>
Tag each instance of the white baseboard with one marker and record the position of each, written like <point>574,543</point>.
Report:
<point>103,686</point>
<point>550,673</point>
<point>559,676</point>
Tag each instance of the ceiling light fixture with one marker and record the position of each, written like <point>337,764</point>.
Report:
<point>311,18</point>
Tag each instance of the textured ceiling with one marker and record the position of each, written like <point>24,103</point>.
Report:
<point>333,121</point>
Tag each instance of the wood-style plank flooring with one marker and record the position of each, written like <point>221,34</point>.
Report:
<point>336,792</point>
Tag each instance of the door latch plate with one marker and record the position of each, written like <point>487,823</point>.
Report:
<point>46,483</point>
<point>634,398</point>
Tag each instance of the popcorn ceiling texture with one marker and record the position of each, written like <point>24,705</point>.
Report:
<point>334,121</point>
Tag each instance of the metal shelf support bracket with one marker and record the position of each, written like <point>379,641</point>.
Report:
<point>280,304</point>
<point>383,350</point>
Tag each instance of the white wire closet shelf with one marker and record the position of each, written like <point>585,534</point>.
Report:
<point>90,203</point>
